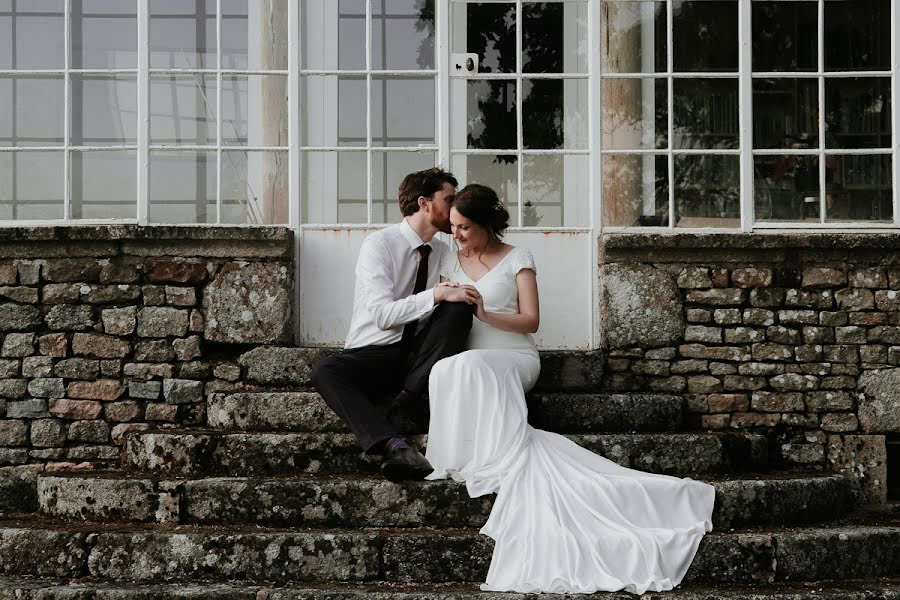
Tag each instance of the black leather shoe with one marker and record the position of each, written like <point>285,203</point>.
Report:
<point>405,464</point>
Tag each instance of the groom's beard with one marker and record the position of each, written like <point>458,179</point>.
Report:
<point>441,225</point>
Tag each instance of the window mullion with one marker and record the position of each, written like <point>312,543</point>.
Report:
<point>143,113</point>
<point>294,175</point>
<point>820,46</point>
<point>67,109</point>
<point>670,116</point>
<point>895,109</point>
<point>442,60</point>
<point>520,163</point>
<point>219,114</point>
<point>370,179</point>
<point>745,116</point>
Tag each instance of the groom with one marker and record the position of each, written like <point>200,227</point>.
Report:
<point>402,324</point>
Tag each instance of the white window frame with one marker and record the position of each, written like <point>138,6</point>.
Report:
<point>745,150</point>
<point>143,147</point>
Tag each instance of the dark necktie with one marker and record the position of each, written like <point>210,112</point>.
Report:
<point>409,330</point>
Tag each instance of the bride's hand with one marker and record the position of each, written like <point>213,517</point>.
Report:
<point>477,301</point>
<point>447,284</point>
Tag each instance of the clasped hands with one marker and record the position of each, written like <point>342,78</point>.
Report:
<point>451,291</point>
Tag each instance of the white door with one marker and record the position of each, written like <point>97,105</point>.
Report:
<point>515,118</point>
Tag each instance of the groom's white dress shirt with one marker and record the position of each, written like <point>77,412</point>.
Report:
<point>383,301</point>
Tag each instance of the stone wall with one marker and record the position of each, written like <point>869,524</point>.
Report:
<point>794,335</point>
<point>109,329</point>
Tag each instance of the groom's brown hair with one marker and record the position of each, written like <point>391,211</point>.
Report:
<point>422,183</point>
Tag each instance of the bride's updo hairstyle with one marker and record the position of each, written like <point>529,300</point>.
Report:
<point>480,204</point>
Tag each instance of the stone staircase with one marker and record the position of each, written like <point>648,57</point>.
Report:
<point>272,499</point>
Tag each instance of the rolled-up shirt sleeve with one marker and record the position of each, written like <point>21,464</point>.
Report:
<point>374,276</point>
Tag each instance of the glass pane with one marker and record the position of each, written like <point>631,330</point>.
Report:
<point>31,185</point>
<point>255,34</point>
<point>104,110</point>
<point>32,36</point>
<point>183,187</point>
<point>499,171</point>
<point>403,112</point>
<point>784,35</point>
<point>705,35</point>
<point>183,109</point>
<point>334,110</point>
<point>785,113</point>
<point>402,34</point>
<point>633,37</point>
<point>786,188</point>
<point>104,34</point>
<point>634,114</point>
<point>707,191</point>
<point>705,113</point>
<point>333,189</point>
<point>635,190</point>
<point>33,111</point>
<point>183,34</point>
<point>104,185</point>
<point>488,30</point>
<point>388,170</point>
<point>555,191</point>
<point>490,120</point>
<point>554,113</point>
<point>858,188</point>
<point>554,37</point>
<point>254,110</point>
<point>857,35</point>
<point>858,112</point>
<point>255,187</point>
<point>334,34</point>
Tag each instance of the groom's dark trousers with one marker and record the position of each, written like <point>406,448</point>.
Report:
<point>352,381</point>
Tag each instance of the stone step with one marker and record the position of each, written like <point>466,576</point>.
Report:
<point>191,554</point>
<point>374,502</point>
<point>290,367</point>
<point>561,412</point>
<point>49,589</point>
<point>207,453</point>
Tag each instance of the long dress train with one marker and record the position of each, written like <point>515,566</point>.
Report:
<point>565,520</point>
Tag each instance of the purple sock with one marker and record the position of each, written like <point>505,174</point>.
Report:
<point>395,443</point>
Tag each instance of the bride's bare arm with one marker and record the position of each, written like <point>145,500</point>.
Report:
<point>528,318</point>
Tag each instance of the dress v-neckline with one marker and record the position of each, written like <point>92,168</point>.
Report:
<point>486,273</point>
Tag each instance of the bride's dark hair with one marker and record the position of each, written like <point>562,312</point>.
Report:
<point>480,204</point>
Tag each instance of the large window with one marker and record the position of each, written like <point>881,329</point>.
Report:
<point>748,113</point>
<point>167,111</point>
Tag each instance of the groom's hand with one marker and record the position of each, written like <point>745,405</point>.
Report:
<point>451,292</point>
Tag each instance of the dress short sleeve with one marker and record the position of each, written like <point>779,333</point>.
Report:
<point>448,264</point>
<point>521,259</point>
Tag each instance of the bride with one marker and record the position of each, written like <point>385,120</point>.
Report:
<point>565,520</point>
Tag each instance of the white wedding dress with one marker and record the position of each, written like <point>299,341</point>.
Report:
<point>565,520</point>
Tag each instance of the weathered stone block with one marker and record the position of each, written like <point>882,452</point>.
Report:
<point>829,400</point>
<point>24,295</point>
<point>674,384</point>
<point>767,297</point>
<point>157,322</point>
<point>70,317</point>
<point>111,367</point>
<point>96,432</point>
<point>154,295</point>
<point>27,409</point>
<point>703,384</point>
<point>154,351</point>
<point>715,422</point>
<point>18,345</point>
<point>145,390</point>
<point>868,277</point>
<point>9,368</point>
<point>823,277</point>
<point>188,348</point>
<point>181,296</point>
<point>690,366</point>
<point>885,334</point>
<point>794,382</point>
<point>854,299</point>
<point>694,277</point>
<point>743,420</point>
<point>72,269</point>
<point>61,293</point>
<point>732,353</point>
<point>8,274</point>
<point>697,315</point>
<point>106,390</point>
<point>147,370</point>
<point>727,403</point>
<point>867,319</point>
<point>848,335</point>
<point>813,334</point>
<point>700,333</point>
<point>842,353</point>
<point>164,270</point>
<point>122,412</point>
<point>833,318</point>
<point>717,296</point>
<point>783,335</point>
<point>751,277</point>
<point>29,271</point>
<point>798,317</point>
<point>48,433</point>
<point>727,316</point>
<point>720,368</point>
<point>161,412</point>
<point>862,458</point>
<point>197,322</point>
<point>659,354</point>
<point>838,383</point>
<point>820,299</point>
<point>119,321</point>
<point>651,367</point>
<point>120,270</point>
<point>53,344</point>
<point>96,345</point>
<point>77,368</point>
<point>769,351</point>
<point>76,410</point>
<point>196,369</point>
<point>777,402</point>
<point>734,383</point>
<point>110,294</point>
<point>182,391</point>
<point>13,433</point>
<point>13,388</point>
<point>759,316</point>
<point>879,407</point>
<point>47,387</point>
<point>761,368</point>
<point>743,335</point>
<point>803,454</point>
<point>873,354</point>
<point>249,303</point>
<point>839,422</point>
<point>37,366</point>
<point>232,372</point>
<point>887,300</point>
<point>119,432</point>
